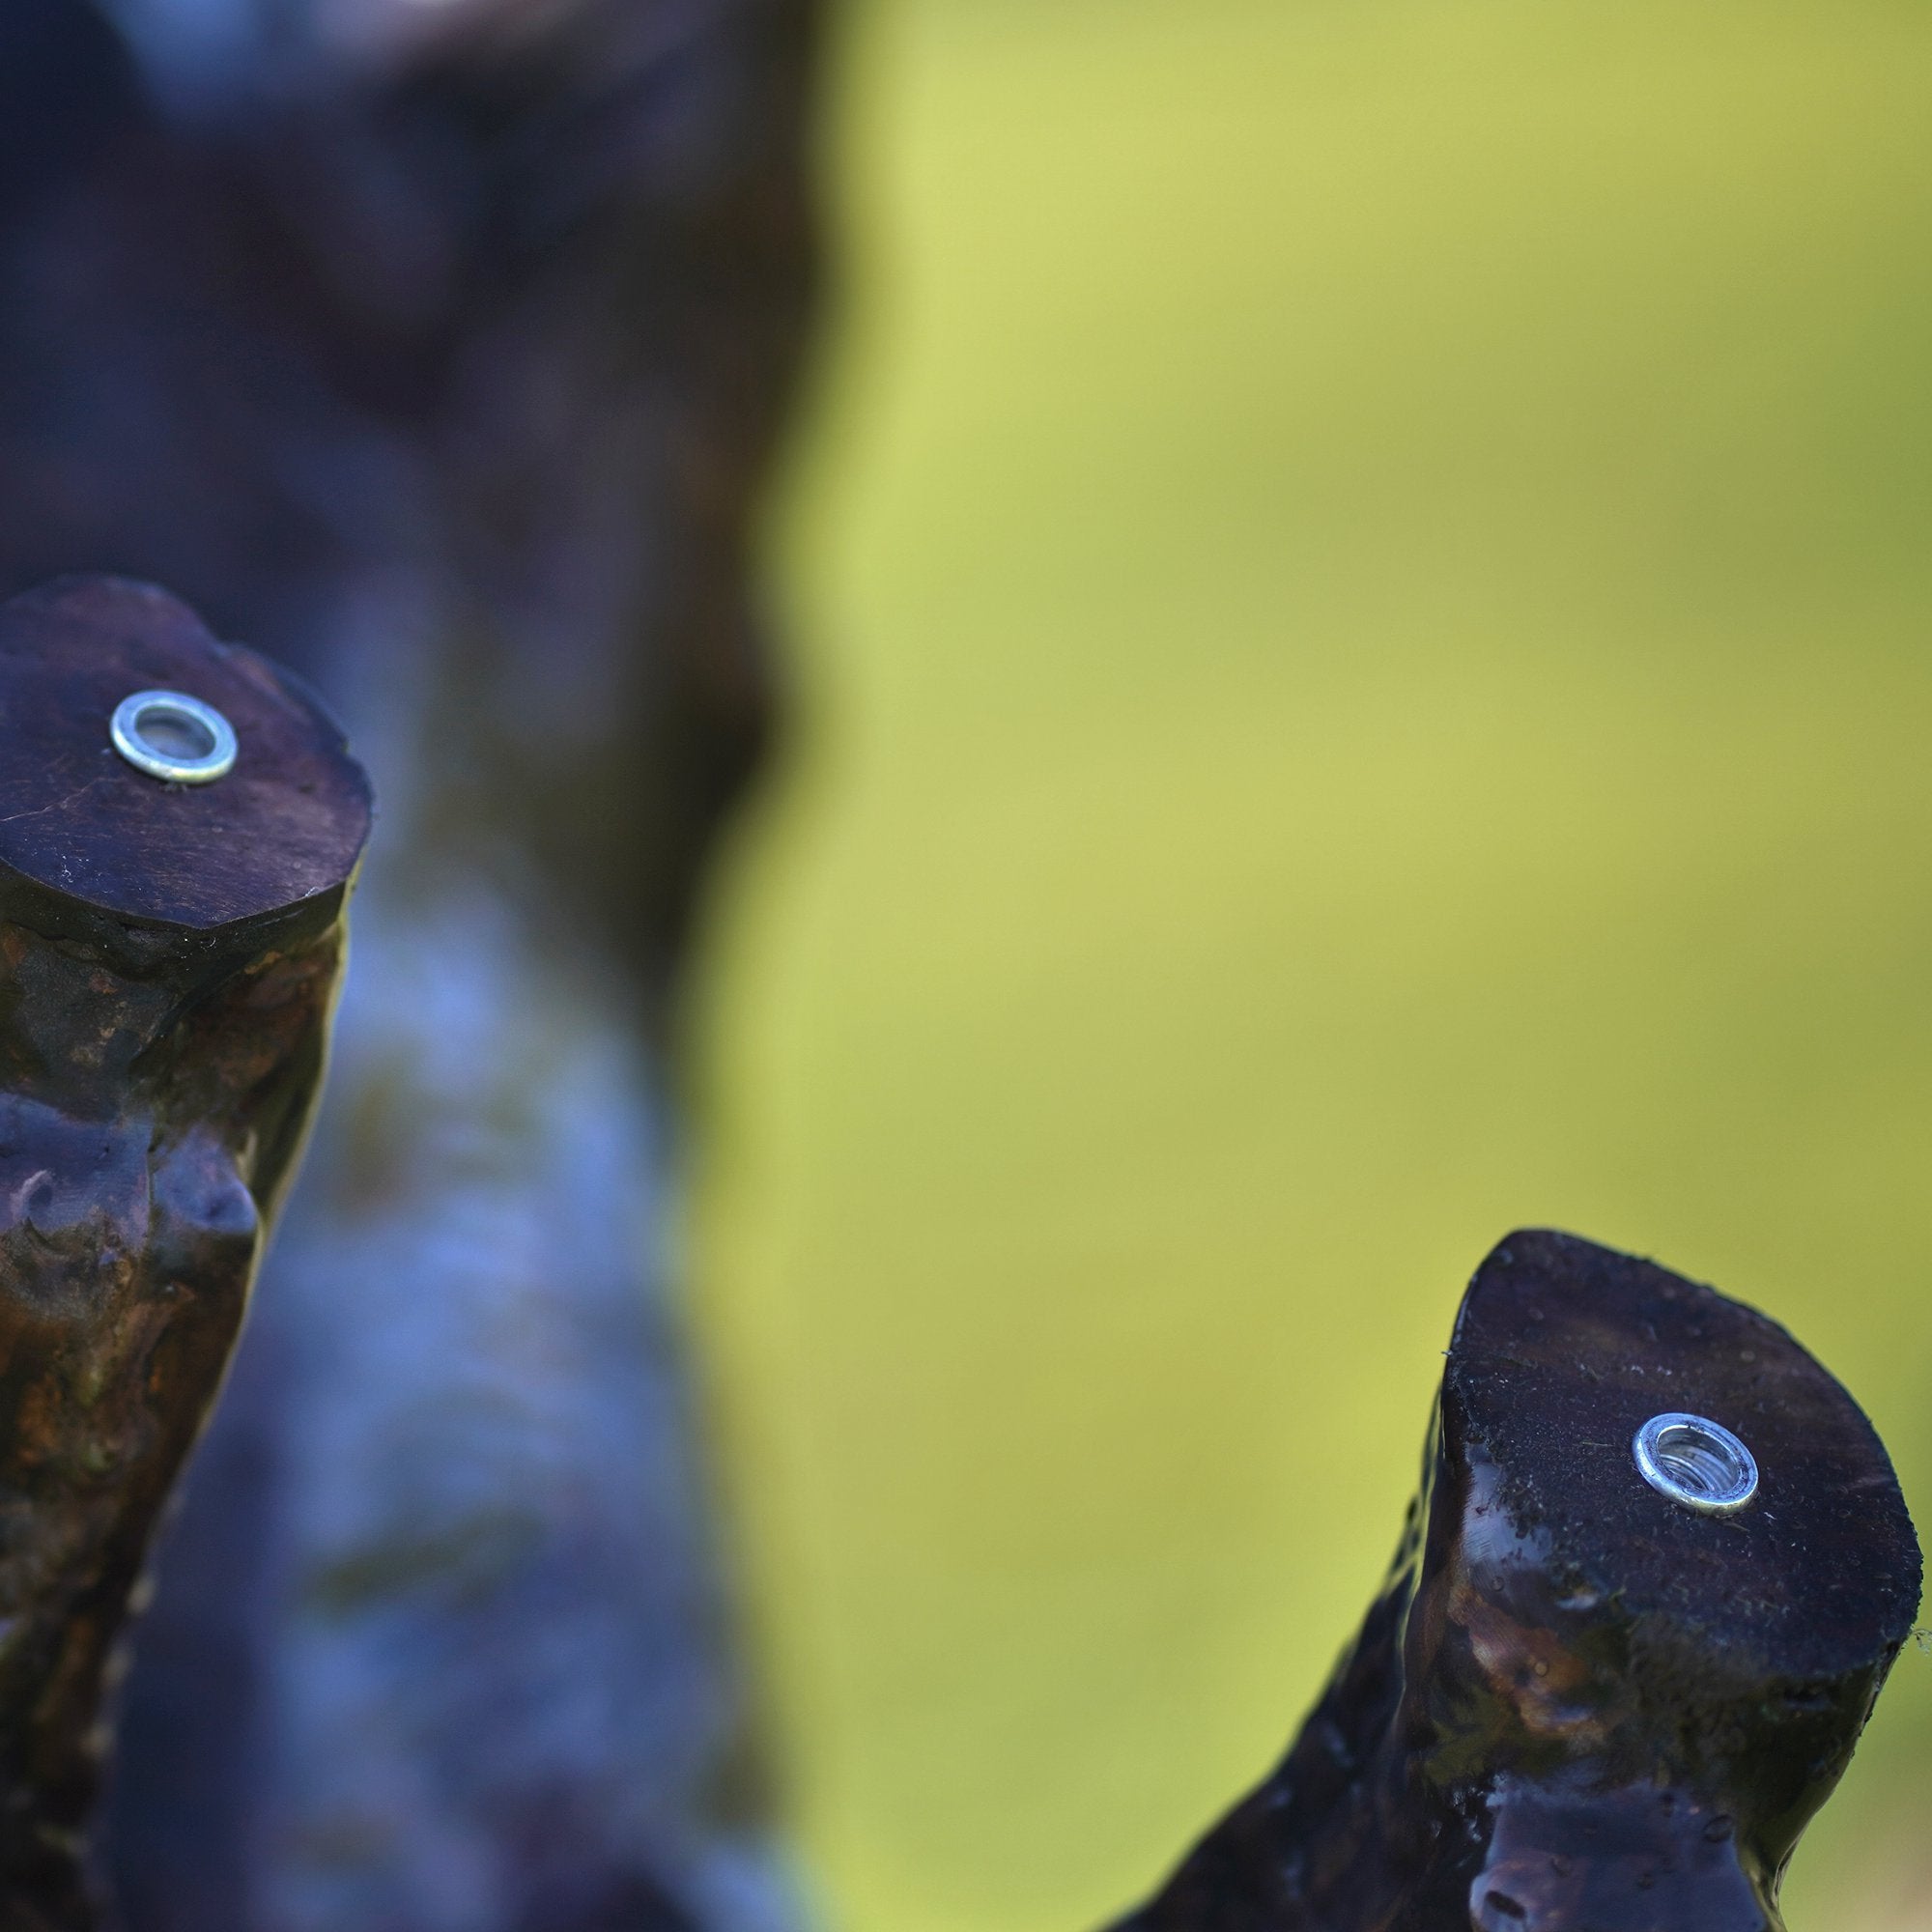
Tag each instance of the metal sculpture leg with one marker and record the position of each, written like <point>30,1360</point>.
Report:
<point>171,920</point>
<point>441,351</point>
<point>1617,1666</point>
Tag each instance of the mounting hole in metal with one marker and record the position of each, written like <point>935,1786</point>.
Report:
<point>170,735</point>
<point>1695,1461</point>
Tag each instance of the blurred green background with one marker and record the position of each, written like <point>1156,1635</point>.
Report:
<point>1360,582</point>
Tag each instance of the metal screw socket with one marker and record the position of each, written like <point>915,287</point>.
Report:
<point>170,735</point>
<point>1695,1461</point>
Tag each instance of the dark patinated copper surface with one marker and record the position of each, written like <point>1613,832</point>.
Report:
<point>168,962</point>
<point>442,353</point>
<point>1580,1706</point>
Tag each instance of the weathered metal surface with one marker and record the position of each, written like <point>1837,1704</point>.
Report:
<point>441,352</point>
<point>168,963</point>
<point>1579,1706</point>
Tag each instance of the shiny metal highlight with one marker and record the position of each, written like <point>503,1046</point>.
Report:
<point>170,735</point>
<point>1695,1461</point>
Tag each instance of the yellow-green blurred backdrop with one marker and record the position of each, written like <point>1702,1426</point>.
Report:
<point>1360,585</point>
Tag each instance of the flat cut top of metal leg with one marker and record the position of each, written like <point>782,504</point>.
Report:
<point>120,788</point>
<point>1695,1461</point>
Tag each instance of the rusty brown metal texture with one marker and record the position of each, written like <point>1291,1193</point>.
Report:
<point>1579,1705</point>
<point>169,957</point>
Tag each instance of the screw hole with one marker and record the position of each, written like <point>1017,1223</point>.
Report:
<point>171,736</point>
<point>1695,1461</point>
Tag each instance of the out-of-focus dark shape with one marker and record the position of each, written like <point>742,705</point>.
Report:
<point>439,348</point>
<point>1579,1705</point>
<point>171,956</point>
<point>447,373</point>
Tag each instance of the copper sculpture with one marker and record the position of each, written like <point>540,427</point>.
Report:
<point>1582,1703</point>
<point>171,956</point>
<point>441,352</point>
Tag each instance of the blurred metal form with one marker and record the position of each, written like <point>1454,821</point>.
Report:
<point>441,351</point>
<point>1577,1704</point>
<point>170,962</point>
